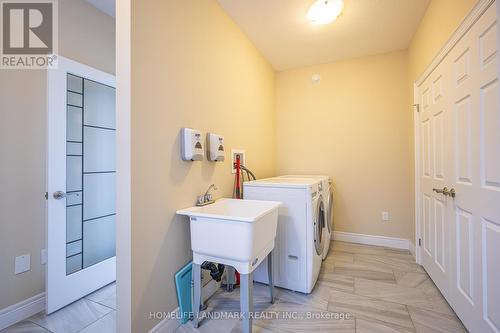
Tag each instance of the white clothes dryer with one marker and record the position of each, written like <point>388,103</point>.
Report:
<point>299,243</point>
<point>327,191</point>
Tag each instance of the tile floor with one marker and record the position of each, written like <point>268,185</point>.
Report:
<point>375,289</point>
<point>95,313</point>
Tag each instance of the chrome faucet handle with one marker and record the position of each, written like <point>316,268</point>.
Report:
<point>209,188</point>
<point>206,198</point>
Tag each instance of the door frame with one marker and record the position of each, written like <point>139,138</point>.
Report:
<point>56,96</point>
<point>417,173</point>
<point>476,12</point>
<point>123,166</point>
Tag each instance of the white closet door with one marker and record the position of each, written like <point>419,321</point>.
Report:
<point>435,158</point>
<point>476,177</point>
<point>460,150</point>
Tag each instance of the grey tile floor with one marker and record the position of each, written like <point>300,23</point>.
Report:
<point>95,313</point>
<point>375,289</point>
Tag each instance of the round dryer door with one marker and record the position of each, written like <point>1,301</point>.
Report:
<point>319,224</point>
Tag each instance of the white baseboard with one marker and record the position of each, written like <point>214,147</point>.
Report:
<point>22,310</point>
<point>394,242</point>
<point>412,249</point>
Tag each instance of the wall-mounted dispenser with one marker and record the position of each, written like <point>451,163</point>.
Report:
<point>215,144</point>
<point>191,147</point>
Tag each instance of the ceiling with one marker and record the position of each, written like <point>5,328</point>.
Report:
<point>280,30</point>
<point>107,6</point>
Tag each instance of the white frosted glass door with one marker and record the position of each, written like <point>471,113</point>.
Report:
<point>90,173</point>
<point>81,182</point>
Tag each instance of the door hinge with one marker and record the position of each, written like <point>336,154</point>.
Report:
<point>420,242</point>
<point>46,195</point>
<point>417,106</point>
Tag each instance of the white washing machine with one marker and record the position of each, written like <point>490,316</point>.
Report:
<point>299,243</point>
<point>327,191</point>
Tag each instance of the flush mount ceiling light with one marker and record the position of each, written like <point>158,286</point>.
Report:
<point>325,11</point>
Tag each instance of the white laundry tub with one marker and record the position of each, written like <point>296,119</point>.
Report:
<point>239,233</point>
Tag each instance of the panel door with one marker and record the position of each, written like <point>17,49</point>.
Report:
<point>467,271</point>
<point>434,175</point>
<point>476,177</point>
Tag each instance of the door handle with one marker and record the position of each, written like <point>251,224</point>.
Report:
<point>445,191</point>
<point>441,191</point>
<point>450,192</point>
<point>58,195</point>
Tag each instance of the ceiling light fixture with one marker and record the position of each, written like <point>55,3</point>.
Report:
<point>325,11</point>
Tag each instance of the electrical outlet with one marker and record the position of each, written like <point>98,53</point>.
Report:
<point>385,216</point>
<point>43,256</point>
<point>234,154</point>
<point>22,264</point>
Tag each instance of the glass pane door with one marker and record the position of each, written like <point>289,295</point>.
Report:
<point>90,173</point>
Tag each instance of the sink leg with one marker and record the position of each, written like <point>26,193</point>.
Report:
<point>270,275</point>
<point>246,301</point>
<point>197,293</point>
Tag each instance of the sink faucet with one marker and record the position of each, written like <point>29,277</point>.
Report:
<point>206,198</point>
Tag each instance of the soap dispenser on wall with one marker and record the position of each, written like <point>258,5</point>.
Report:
<point>215,144</point>
<point>191,147</point>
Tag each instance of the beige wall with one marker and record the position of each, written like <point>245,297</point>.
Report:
<point>22,179</point>
<point>191,67</point>
<point>85,35</point>
<point>348,87</point>
<point>351,127</point>
<point>441,19</point>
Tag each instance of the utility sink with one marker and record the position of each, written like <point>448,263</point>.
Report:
<point>235,232</point>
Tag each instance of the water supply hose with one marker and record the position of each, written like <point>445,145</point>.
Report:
<point>248,172</point>
<point>238,185</point>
